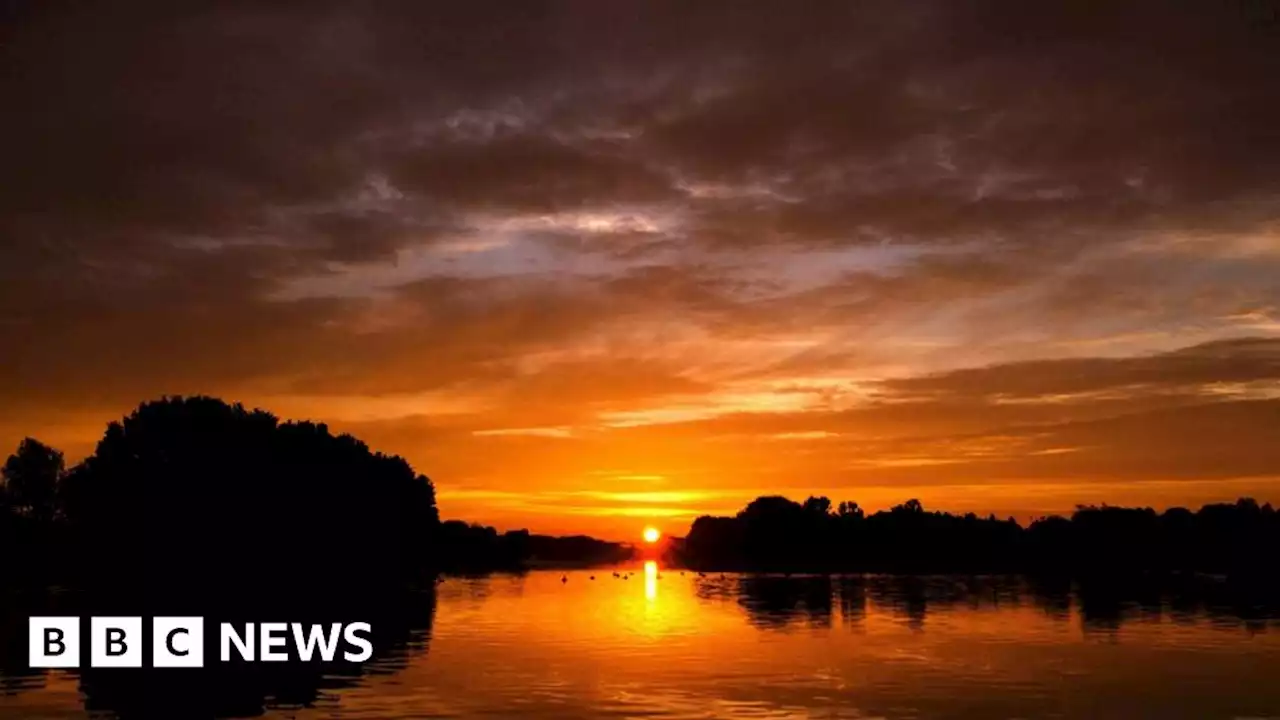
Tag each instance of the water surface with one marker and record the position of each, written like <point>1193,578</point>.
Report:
<point>666,644</point>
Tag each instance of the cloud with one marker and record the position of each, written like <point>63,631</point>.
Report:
<point>885,232</point>
<point>1186,371</point>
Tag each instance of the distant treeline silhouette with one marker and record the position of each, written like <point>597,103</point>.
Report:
<point>777,534</point>
<point>473,546</point>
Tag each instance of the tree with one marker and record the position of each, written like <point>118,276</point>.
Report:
<point>31,478</point>
<point>214,496</point>
<point>910,507</point>
<point>817,505</point>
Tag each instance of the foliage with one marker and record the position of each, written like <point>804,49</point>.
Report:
<point>31,478</point>
<point>778,534</point>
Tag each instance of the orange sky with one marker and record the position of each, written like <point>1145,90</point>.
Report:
<point>593,267</point>
<point>588,455</point>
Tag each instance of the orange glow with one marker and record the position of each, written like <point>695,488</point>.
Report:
<point>651,535</point>
<point>578,474</point>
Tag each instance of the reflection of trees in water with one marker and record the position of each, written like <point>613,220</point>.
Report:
<point>911,596</point>
<point>1052,595</point>
<point>776,602</point>
<point>853,600</point>
<point>401,631</point>
<point>1106,604</point>
<point>15,673</point>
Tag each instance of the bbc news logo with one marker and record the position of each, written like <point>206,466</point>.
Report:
<point>178,642</point>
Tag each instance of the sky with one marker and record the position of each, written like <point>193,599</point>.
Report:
<point>592,266</point>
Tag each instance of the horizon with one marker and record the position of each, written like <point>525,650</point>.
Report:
<point>597,268</point>
<point>639,540</point>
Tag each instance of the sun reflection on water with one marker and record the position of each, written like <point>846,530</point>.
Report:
<point>547,645</point>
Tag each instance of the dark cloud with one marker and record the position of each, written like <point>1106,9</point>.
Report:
<point>1187,370</point>
<point>527,173</point>
<point>194,121</point>
<point>635,207</point>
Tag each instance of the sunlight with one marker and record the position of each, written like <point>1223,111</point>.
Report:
<point>651,580</point>
<point>651,535</point>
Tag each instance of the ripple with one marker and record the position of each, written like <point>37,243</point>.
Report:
<point>799,647</point>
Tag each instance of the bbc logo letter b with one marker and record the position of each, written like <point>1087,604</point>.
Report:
<point>53,642</point>
<point>115,641</point>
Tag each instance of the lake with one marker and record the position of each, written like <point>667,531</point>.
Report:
<point>666,644</point>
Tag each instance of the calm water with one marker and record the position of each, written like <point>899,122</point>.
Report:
<point>666,645</point>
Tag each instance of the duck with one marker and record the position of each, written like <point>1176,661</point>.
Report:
<point>564,578</point>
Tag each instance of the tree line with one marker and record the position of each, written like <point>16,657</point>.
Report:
<point>480,546</point>
<point>193,494</point>
<point>775,533</point>
<point>190,494</point>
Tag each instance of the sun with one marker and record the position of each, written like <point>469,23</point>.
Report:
<point>651,534</point>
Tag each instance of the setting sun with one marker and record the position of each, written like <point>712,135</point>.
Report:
<point>651,535</point>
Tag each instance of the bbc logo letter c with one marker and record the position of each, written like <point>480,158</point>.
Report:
<point>177,642</point>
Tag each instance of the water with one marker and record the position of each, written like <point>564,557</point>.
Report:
<point>666,645</point>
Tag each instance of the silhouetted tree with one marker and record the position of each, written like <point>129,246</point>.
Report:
<point>818,506</point>
<point>849,510</point>
<point>31,477</point>
<point>774,533</point>
<point>194,506</point>
<point>195,492</point>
